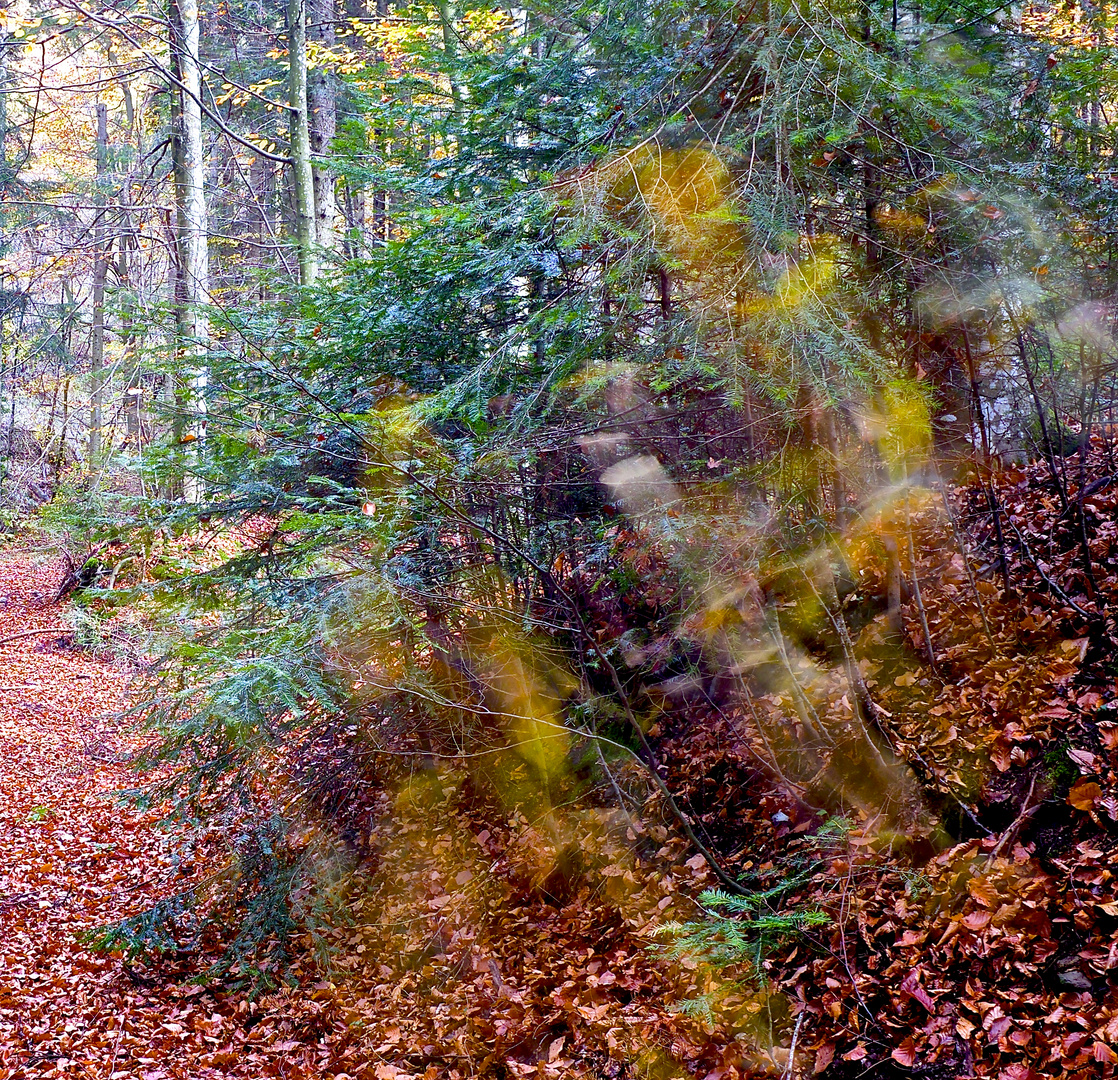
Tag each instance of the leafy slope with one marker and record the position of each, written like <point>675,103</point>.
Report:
<point>457,959</point>
<point>990,950</point>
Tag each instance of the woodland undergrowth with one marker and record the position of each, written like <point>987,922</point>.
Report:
<point>926,890</point>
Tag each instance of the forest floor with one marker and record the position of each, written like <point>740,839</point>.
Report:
<point>74,859</point>
<point>967,878</point>
<point>484,973</point>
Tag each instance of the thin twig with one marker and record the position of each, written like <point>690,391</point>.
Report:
<point>792,1049</point>
<point>1012,832</point>
<point>42,630</point>
<point>1059,592</point>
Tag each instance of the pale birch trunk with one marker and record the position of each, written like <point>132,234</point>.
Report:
<point>322,119</point>
<point>192,240</point>
<point>302,175</point>
<point>447,15</point>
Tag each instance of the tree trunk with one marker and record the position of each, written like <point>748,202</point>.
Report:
<point>354,204</point>
<point>100,271</point>
<point>322,119</point>
<point>172,395</point>
<point>381,143</point>
<point>5,176</point>
<point>192,240</point>
<point>133,389</point>
<point>263,188</point>
<point>450,50</point>
<point>302,174</point>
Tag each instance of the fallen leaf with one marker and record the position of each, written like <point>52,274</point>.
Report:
<point>905,1054</point>
<point>1084,794</point>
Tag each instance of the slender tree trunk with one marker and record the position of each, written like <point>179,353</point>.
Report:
<point>4,42</point>
<point>447,15</point>
<point>60,461</point>
<point>134,388</point>
<point>100,272</point>
<point>126,245</point>
<point>381,144</point>
<point>263,187</point>
<point>302,174</point>
<point>172,396</point>
<point>192,240</point>
<point>354,203</point>
<point>322,119</point>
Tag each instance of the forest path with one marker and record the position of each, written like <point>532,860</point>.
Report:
<point>72,859</point>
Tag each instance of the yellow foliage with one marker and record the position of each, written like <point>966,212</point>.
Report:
<point>687,192</point>
<point>807,279</point>
<point>538,739</point>
<point>899,220</point>
<point>908,427</point>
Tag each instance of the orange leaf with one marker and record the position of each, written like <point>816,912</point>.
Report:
<point>1084,794</point>
<point>1103,1053</point>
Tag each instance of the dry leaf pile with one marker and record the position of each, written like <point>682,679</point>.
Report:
<point>462,951</point>
<point>993,952</point>
<point>75,859</point>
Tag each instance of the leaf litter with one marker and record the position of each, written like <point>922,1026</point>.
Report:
<point>976,937</point>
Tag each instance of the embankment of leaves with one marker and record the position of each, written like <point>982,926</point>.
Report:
<point>984,942</point>
<point>967,881</point>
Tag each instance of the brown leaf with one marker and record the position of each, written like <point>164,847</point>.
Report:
<point>976,920</point>
<point>1000,753</point>
<point>1103,1054</point>
<point>823,1057</point>
<point>914,989</point>
<point>983,891</point>
<point>1084,759</point>
<point>1084,794</point>
<point>905,1054</point>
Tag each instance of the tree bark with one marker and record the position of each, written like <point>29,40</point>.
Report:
<point>322,119</point>
<point>302,174</point>
<point>5,42</point>
<point>263,188</point>
<point>100,272</point>
<point>447,15</point>
<point>192,240</point>
<point>134,387</point>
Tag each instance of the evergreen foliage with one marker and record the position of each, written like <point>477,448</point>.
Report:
<point>739,928</point>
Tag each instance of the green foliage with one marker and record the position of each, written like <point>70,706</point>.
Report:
<point>88,627</point>
<point>152,932</point>
<point>261,894</point>
<point>739,929</point>
<point>1060,771</point>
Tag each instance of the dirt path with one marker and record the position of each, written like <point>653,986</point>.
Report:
<point>71,859</point>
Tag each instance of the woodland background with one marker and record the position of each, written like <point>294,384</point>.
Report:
<point>609,511</point>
